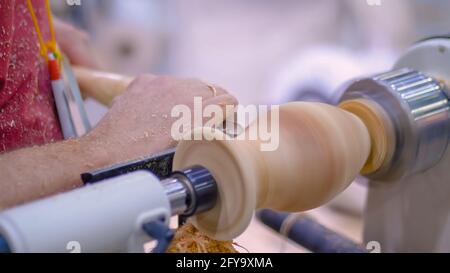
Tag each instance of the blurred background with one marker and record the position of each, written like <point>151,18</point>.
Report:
<point>262,51</point>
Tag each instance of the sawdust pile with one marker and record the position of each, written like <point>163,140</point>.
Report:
<point>189,240</point>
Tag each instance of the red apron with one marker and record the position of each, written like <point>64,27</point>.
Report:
<point>27,110</point>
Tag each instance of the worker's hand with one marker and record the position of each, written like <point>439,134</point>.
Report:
<point>139,121</point>
<point>75,44</point>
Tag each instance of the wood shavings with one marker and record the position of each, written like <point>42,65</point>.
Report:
<point>189,240</point>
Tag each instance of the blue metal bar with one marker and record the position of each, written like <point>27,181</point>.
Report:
<point>4,247</point>
<point>308,233</point>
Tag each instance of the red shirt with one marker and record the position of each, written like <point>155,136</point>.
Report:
<point>27,110</point>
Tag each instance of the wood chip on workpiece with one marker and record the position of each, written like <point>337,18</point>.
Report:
<point>190,240</point>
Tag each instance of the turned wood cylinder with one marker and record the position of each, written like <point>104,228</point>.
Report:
<point>321,150</point>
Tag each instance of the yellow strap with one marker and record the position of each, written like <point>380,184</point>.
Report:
<point>44,47</point>
<point>52,43</point>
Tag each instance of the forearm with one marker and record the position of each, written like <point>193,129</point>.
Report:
<point>138,124</point>
<point>35,172</point>
<point>31,173</point>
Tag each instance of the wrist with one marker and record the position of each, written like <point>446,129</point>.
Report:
<point>94,153</point>
<point>100,151</point>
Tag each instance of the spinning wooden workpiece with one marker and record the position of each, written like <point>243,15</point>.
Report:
<point>321,150</point>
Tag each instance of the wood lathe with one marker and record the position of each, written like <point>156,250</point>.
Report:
<point>389,127</point>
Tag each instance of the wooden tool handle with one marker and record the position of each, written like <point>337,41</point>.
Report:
<point>102,86</point>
